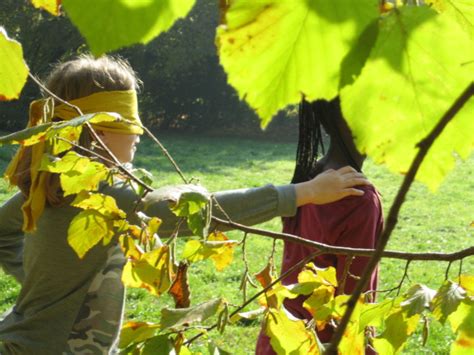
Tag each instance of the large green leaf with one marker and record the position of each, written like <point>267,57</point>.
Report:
<point>417,68</point>
<point>275,51</point>
<point>463,10</point>
<point>111,24</point>
<point>13,70</point>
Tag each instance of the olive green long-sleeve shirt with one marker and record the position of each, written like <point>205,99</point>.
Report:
<point>57,285</point>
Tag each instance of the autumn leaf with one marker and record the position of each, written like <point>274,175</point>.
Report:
<point>464,343</point>
<point>265,278</point>
<point>87,229</point>
<point>218,248</point>
<point>136,332</point>
<point>278,326</point>
<point>153,271</point>
<point>77,173</point>
<point>447,300</point>
<point>13,69</point>
<point>180,290</point>
<point>52,6</point>
<point>104,204</point>
<point>174,318</point>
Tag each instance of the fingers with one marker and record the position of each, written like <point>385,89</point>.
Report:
<point>352,192</point>
<point>347,169</point>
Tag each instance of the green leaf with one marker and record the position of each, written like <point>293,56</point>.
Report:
<point>111,24</point>
<point>136,332</point>
<point>417,299</point>
<point>278,327</point>
<point>196,207</point>
<point>87,229</point>
<point>13,69</point>
<point>447,300</point>
<point>413,75</point>
<point>373,314</point>
<point>159,345</point>
<point>463,10</point>
<point>397,329</point>
<point>275,51</point>
<point>173,318</point>
<point>52,6</point>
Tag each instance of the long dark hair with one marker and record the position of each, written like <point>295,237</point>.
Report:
<point>313,117</point>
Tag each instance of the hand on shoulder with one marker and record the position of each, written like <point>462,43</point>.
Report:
<point>330,186</point>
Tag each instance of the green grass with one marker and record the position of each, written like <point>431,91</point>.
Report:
<point>428,222</point>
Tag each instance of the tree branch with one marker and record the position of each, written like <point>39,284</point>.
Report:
<point>329,249</point>
<point>392,219</point>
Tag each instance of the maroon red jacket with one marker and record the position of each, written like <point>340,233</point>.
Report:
<point>351,222</point>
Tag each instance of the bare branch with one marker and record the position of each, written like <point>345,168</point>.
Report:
<point>330,249</point>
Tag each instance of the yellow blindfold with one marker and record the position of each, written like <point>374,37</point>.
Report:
<point>122,102</point>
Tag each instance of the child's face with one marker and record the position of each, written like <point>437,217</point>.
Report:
<point>123,146</point>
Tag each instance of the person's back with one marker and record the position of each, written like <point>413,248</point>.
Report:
<point>354,223</point>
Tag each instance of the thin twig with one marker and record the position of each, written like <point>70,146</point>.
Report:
<point>53,95</point>
<point>347,266</point>
<point>166,153</point>
<point>446,274</point>
<point>392,219</point>
<point>405,274</point>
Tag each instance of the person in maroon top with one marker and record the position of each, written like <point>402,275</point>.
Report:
<point>350,222</point>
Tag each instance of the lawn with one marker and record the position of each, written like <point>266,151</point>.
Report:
<point>428,222</point>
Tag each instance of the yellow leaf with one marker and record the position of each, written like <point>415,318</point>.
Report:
<point>129,248</point>
<point>52,6</point>
<point>71,134</point>
<point>225,254</point>
<point>289,336</point>
<point>87,229</point>
<point>104,204</point>
<point>467,283</point>
<point>153,271</point>
<point>13,70</point>
<point>218,248</point>
<point>135,332</point>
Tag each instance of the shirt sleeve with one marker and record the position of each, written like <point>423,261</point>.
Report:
<point>246,206</point>
<point>12,237</point>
